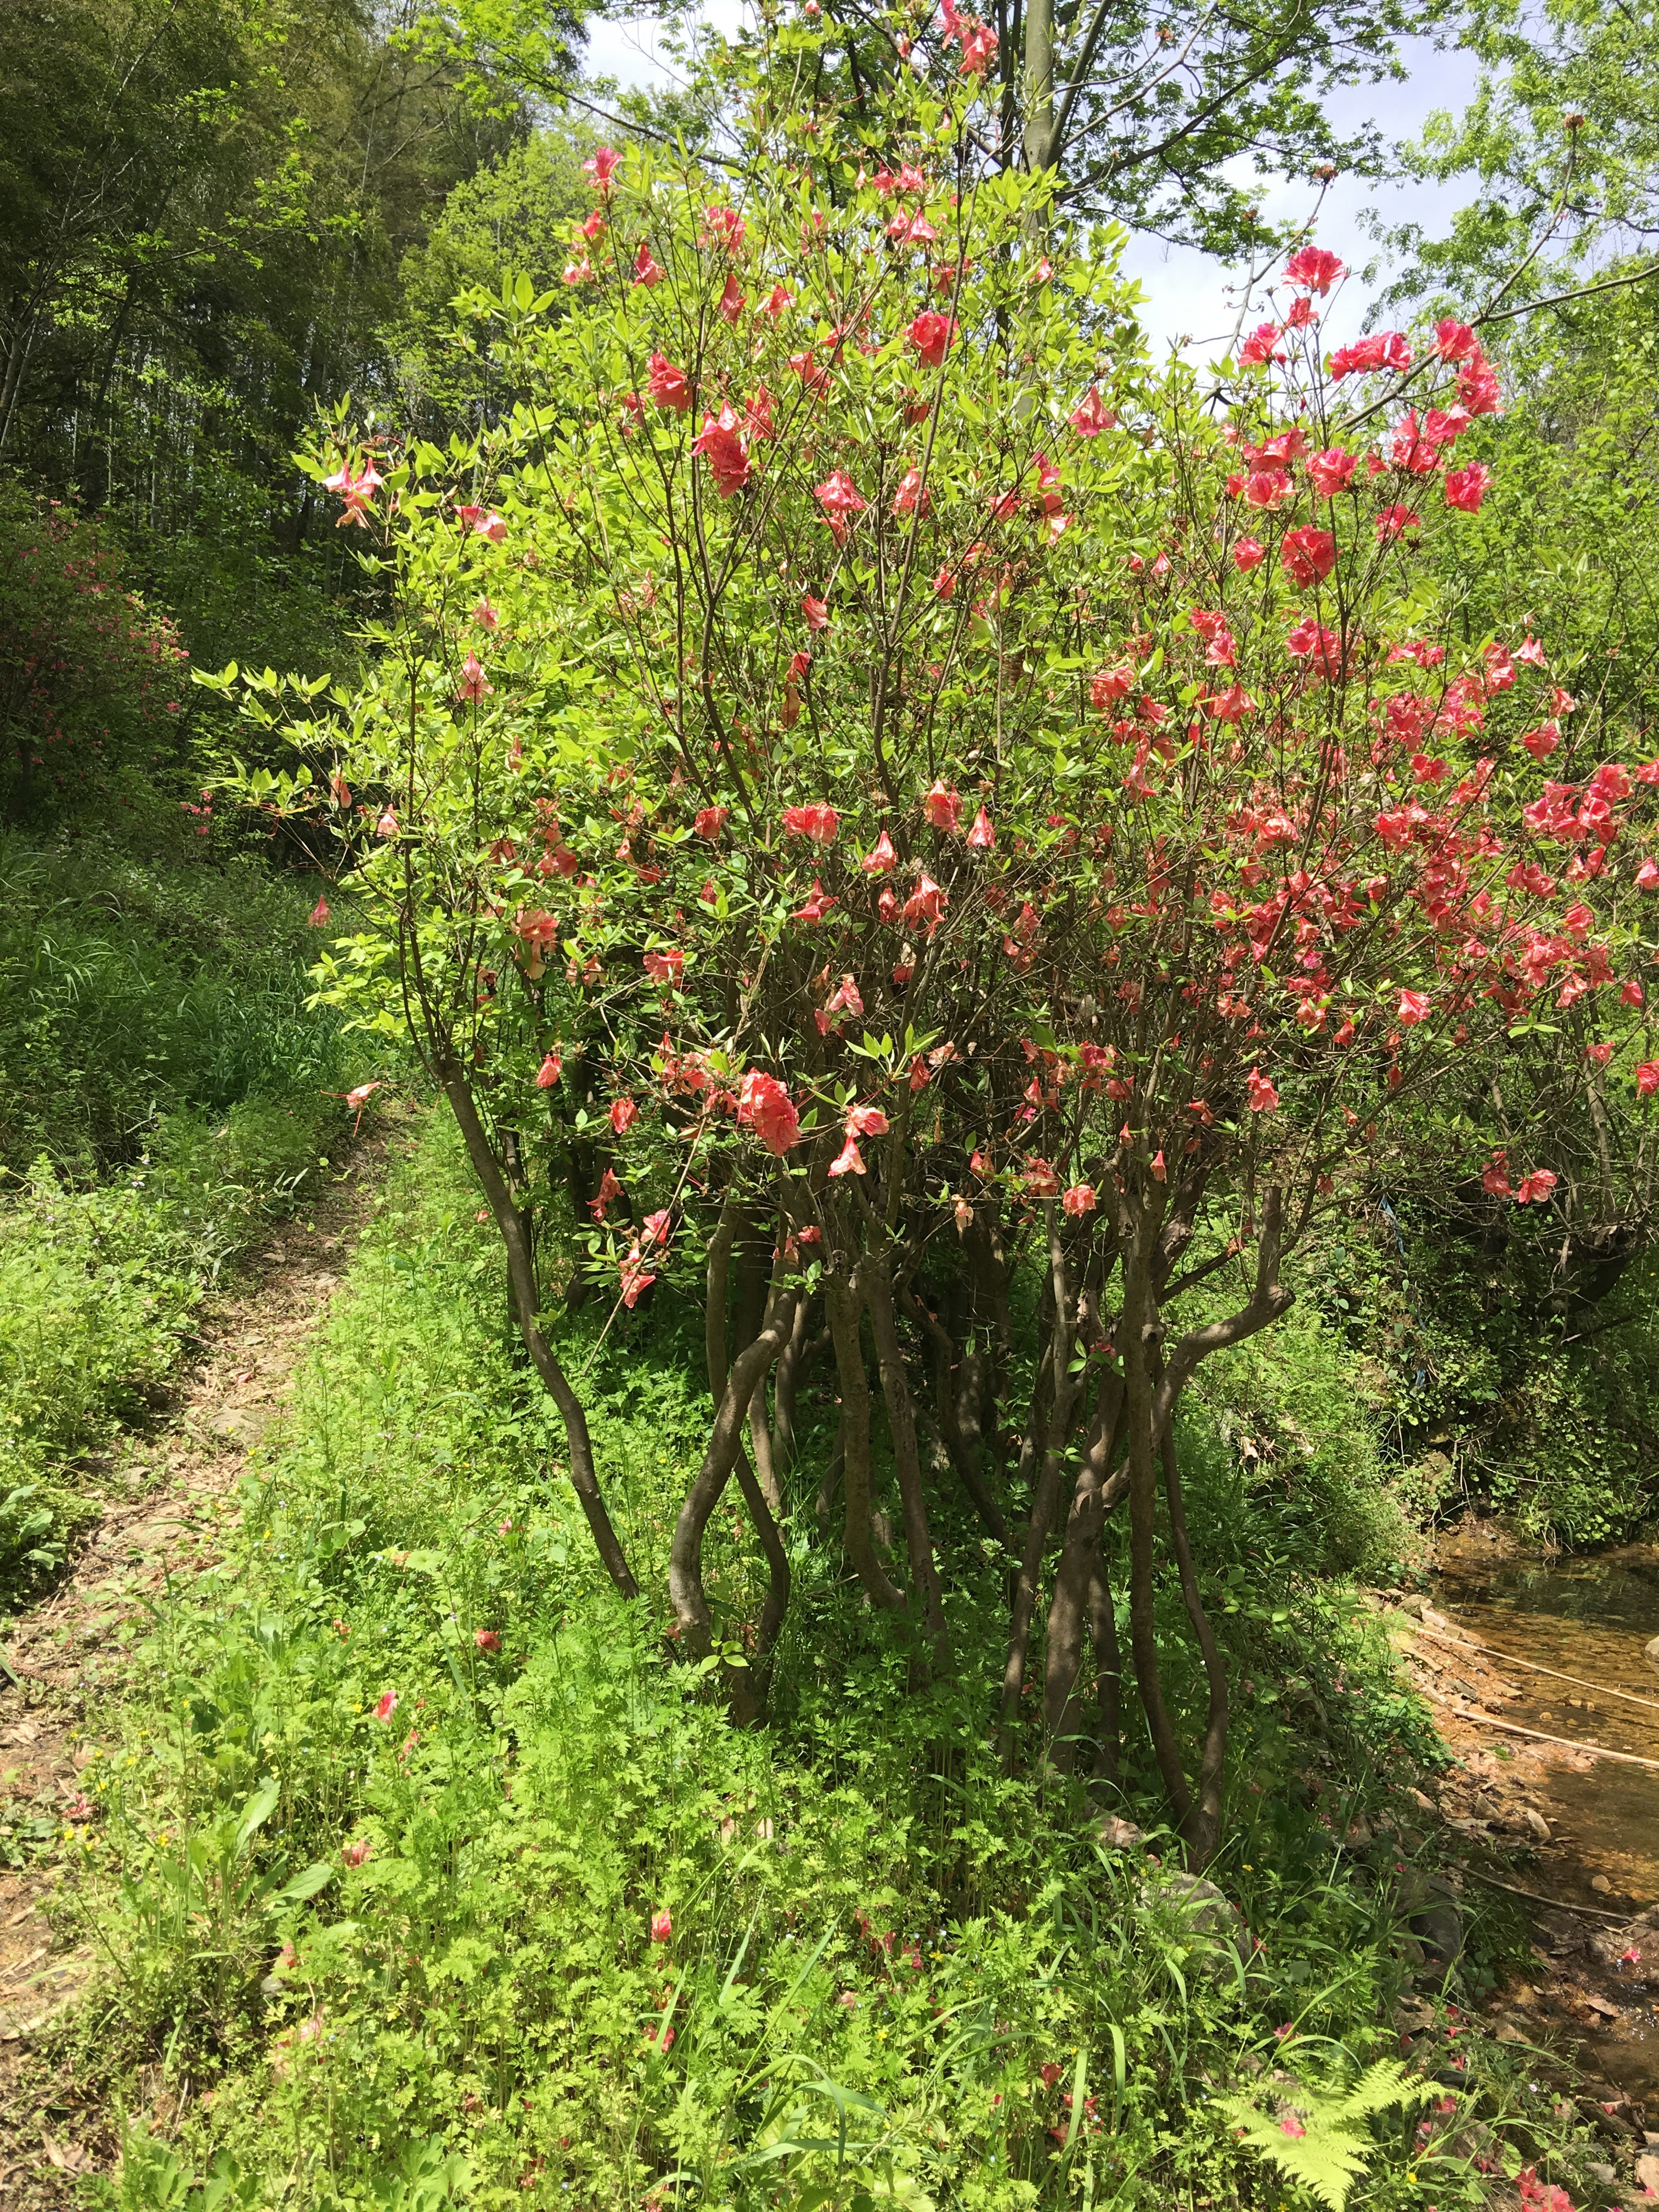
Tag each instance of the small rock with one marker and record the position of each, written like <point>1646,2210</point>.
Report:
<point>1536,1820</point>
<point>1601,1885</point>
<point>1119,1835</point>
<point>1606,2175</point>
<point>1201,1902</point>
<point>1423,1804</point>
<point>1651,1653</point>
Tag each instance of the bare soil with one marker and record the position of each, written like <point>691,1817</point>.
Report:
<point>171,1492</point>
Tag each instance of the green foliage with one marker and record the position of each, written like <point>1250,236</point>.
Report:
<point>1318,2137</point>
<point>164,1091</point>
<point>890,1970</point>
<point>91,684</point>
<point>203,207</point>
<point>93,1295</point>
<point>130,991</point>
<point>39,1523</point>
<point>513,216</point>
<point>1487,1380</point>
<point>1301,1425</point>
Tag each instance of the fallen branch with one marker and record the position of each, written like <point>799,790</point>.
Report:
<point>1532,1667</point>
<point>1539,1735</point>
<point>1553,1904</point>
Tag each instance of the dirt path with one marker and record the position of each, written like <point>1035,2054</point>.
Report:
<point>171,1491</point>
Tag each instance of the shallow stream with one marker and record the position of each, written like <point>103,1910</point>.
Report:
<point>1591,1618</point>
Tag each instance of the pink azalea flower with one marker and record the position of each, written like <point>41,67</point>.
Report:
<point>1093,416</point>
<point>765,1106</point>
<point>548,1072</point>
<point>912,496</point>
<point>1314,268</point>
<point>925,903</point>
<point>1466,488</point>
<point>387,1706</point>
<point>819,820</point>
<point>839,498</point>
<point>931,335</point>
<point>722,445</point>
<point>881,858</point>
<point>1393,521</point>
<point>1308,555</point>
<point>609,1189</point>
<point>848,1160</point>
<point>1330,472</point>
<point>943,808</point>
<point>667,385</point>
<point>1454,341</point>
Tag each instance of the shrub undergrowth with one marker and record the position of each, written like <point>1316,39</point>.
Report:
<point>401,1788</point>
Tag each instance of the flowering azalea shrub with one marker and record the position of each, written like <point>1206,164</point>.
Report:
<point>91,681</point>
<point>868,791</point>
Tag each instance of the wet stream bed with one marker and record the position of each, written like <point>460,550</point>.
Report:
<point>1564,1819</point>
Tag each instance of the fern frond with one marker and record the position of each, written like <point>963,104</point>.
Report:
<point>1322,2140</point>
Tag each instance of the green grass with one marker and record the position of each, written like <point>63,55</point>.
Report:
<point>165,1093</point>
<point>132,992</point>
<point>409,1959</point>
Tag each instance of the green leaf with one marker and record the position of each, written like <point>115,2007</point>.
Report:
<point>307,1883</point>
<point>258,1810</point>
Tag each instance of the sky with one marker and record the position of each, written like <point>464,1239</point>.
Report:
<point>1185,292</point>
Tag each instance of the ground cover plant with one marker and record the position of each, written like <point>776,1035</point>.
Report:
<point>418,1849</point>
